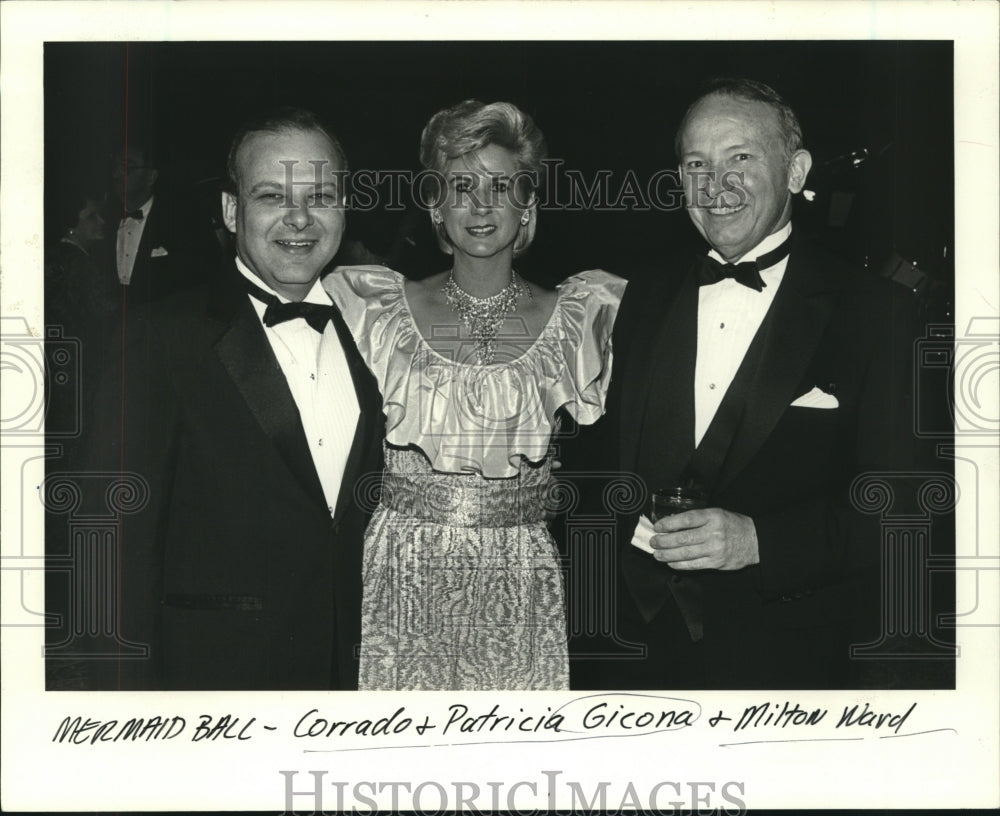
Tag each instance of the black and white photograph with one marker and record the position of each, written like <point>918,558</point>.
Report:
<point>406,409</point>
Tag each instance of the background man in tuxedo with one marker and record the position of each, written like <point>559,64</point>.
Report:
<point>155,247</point>
<point>245,408</point>
<point>770,386</point>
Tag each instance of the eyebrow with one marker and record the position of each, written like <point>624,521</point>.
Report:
<point>740,146</point>
<point>266,185</point>
<point>280,186</point>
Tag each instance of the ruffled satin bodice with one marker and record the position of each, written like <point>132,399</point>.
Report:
<point>481,418</point>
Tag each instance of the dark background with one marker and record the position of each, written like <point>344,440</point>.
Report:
<point>601,105</point>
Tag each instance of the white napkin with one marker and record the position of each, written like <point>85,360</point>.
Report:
<point>643,532</point>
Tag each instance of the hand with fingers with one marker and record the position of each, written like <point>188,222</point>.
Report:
<point>710,538</point>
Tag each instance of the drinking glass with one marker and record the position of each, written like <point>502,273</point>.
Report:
<point>671,500</point>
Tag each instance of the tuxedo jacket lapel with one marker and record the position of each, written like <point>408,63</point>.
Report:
<point>790,336</point>
<point>141,280</point>
<point>247,356</point>
<point>657,430</point>
<point>667,417</point>
<point>669,330</point>
<point>370,417</point>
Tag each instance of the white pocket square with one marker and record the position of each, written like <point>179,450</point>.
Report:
<point>816,399</point>
<point>159,252</point>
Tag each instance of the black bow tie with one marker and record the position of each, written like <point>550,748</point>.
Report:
<point>136,214</point>
<point>746,273</point>
<point>315,314</point>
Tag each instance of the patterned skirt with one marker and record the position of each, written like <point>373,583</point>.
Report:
<point>463,587</point>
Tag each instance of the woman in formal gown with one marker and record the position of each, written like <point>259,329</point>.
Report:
<point>463,587</point>
<point>81,297</point>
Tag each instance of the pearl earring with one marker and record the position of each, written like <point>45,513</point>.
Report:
<point>525,218</point>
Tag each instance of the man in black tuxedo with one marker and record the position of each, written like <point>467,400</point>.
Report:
<point>246,410</point>
<point>768,376</point>
<point>153,240</point>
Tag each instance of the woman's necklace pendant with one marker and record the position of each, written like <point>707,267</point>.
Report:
<point>484,316</point>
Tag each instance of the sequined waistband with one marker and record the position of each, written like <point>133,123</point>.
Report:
<point>443,499</point>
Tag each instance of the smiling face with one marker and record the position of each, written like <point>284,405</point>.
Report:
<point>738,177</point>
<point>287,213</point>
<point>483,209</point>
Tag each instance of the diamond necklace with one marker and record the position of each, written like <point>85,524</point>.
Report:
<point>484,316</point>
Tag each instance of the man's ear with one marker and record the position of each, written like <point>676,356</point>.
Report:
<point>153,176</point>
<point>798,168</point>
<point>229,211</point>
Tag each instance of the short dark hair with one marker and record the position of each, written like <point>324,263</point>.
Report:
<point>751,91</point>
<point>275,120</point>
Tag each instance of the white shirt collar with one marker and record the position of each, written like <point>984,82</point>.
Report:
<point>315,295</point>
<point>772,241</point>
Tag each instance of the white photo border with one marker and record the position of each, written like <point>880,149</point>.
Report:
<point>956,766</point>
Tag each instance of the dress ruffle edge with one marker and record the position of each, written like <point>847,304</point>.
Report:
<point>468,417</point>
